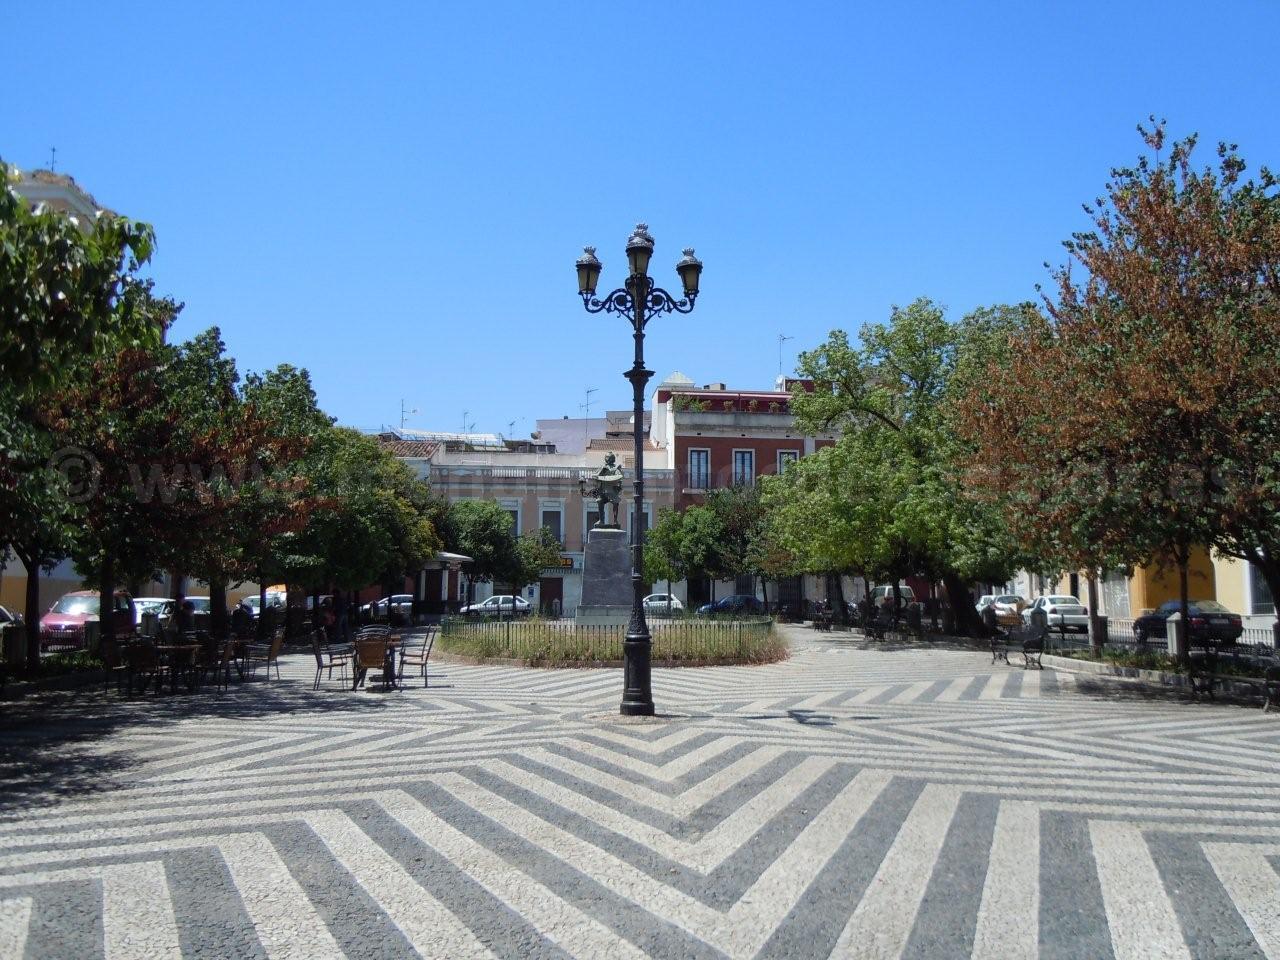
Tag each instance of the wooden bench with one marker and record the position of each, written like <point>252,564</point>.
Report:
<point>1029,641</point>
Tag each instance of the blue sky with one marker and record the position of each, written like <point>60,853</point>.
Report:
<point>393,195</point>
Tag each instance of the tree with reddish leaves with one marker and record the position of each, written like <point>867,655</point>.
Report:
<point>1139,421</point>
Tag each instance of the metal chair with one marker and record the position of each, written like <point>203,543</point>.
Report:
<point>261,653</point>
<point>327,659</point>
<point>371,654</point>
<point>417,656</point>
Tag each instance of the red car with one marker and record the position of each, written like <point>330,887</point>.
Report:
<point>63,625</point>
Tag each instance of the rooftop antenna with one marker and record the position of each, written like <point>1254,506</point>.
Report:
<point>586,422</point>
<point>53,159</point>
<point>406,414</point>
<point>782,338</point>
<point>464,421</point>
<point>511,429</point>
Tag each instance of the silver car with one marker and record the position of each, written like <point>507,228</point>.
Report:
<point>1058,612</point>
<point>662,604</point>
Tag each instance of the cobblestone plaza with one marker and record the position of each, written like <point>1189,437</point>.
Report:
<point>856,800</point>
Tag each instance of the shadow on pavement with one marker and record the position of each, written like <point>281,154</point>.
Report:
<point>56,746</point>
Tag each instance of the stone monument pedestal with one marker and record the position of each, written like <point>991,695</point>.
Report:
<point>606,579</point>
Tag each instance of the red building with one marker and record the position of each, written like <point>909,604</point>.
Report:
<point>715,437</point>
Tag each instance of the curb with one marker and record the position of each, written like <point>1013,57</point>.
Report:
<point>1152,678</point>
<point>18,689</point>
<point>1160,678</point>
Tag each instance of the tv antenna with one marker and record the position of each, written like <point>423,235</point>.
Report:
<point>406,414</point>
<point>782,338</point>
<point>586,421</point>
<point>53,159</point>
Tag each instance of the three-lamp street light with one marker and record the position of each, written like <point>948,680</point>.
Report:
<point>639,300</point>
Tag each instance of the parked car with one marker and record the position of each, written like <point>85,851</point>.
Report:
<point>662,604</point>
<point>64,624</point>
<point>274,600</point>
<point>906,596</point>
<point>736,603</point>
<point>161,606</point>
<point>1009,608</point>
<point>1058,612</point>
<point>377,609</point>
<point>498,605</point>
<point>1207,620</point>
<point>984,601</point>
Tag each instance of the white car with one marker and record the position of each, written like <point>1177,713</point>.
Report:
<point>1060,612</point>
<point>161,606</point>
<point>400,602</point>
<point>498,605</point>
<point>660,604</point>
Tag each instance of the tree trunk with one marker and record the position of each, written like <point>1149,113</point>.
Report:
<point>840,610</point>
<point>1095,635</point>
<point>1183,555</point>
<point>32,614</point>
<point>218,623</point>
<point>106,601</point>
<point>177,584</point>
<point>966,617</point>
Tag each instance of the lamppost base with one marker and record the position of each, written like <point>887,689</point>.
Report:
<point>637,690</point>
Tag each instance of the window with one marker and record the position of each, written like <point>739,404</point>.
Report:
<point>786,457</point>
<point>744,467</point>
<point>700,469</point>
<point>1261,602</point>
<point>551,520</point>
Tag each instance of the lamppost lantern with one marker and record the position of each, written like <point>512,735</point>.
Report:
<point>690,269</point>
<point>589,268</point>
<point>639,300</point>
<point>639,250</point>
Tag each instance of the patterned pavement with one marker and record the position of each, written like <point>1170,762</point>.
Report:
<point>855,801</point>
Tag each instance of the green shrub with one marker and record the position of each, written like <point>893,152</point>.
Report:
<point>552,643</point>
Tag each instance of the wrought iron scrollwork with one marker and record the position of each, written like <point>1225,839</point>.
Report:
<point>655,301</point>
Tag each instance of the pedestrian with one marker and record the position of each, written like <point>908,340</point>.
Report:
<point>342,622</point>
<point>186,617</point>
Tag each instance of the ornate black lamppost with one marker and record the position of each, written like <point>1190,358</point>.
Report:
<point>639,301</point>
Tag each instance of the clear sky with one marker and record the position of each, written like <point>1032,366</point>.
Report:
<point>393,195</point>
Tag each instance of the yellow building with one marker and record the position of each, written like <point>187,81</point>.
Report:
<point>1235,584</point>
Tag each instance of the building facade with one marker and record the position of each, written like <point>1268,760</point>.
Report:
<point>538,488</point>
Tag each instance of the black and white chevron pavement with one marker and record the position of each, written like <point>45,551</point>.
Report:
<point>848,802</point>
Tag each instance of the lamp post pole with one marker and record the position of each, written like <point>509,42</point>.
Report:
<point>639,301</point>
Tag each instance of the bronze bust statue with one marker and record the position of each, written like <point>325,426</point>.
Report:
<point>606,492</point>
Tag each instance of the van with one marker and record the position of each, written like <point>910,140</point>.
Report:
<point>905,594</point>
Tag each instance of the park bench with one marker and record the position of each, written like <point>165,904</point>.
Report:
<point>1029,641</point>
<point>881,625</point>
<point>1205,676</point>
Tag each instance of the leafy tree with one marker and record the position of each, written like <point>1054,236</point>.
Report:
<point>701,533</point>
<point>1160,344</point>
<point>61,305</point>
<point>531,556</point>
<point>663,549</point>
<point>484,534</point>
<point>274,513</point>
<point>894,487</point>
